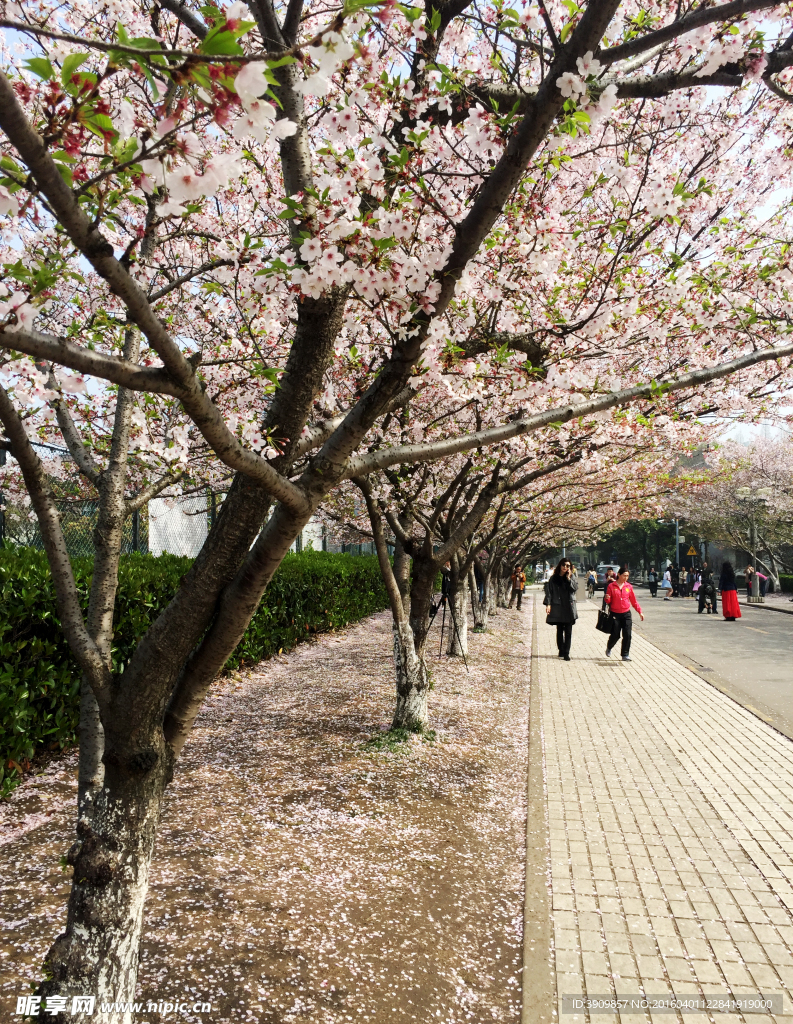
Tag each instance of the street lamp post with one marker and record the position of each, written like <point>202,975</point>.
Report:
<point>756,577</point>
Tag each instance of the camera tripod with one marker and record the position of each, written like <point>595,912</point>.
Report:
<point>442,603</point>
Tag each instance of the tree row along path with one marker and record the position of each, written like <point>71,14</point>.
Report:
<point>301,875</point>
<point>670,818</point>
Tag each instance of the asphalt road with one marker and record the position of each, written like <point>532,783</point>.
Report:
<point>751,660</point>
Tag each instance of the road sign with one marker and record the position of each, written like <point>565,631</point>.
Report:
<point>692,550</point>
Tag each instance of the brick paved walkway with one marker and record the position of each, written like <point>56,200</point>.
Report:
<point>670,815</point>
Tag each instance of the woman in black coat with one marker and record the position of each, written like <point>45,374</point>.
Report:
<point>560,605</point>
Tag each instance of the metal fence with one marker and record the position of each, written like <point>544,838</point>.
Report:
<point>78,521</point>
<point>175,525</point>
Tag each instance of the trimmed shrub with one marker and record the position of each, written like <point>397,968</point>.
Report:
<point>312,592</point>
<point>786,584</point>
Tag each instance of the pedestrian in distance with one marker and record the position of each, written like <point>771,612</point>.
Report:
<point>620,597</point>
<point>675,576</point>
<point>518,578</point>
<point>751,572</point>
<point>730,608</point>
<point>666,585</point>
<point>683,585</point>
<point>652,581</point>
<point>591,583</point>
<point>561,609</point>
<point>479,577</point>
<point>610,577</point>
<point>706,595</point>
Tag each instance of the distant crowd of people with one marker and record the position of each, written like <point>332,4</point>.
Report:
<point>698,584</point>
<point>702,585</point>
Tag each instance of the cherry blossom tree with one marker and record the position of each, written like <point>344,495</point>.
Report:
<point>745,500</point>
<point>507,501</point>
<point>256,236</point>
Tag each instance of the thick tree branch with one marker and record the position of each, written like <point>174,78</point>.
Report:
<point>99,252</point>
<point>291,25</point>
<point>528,343</point>
<point>386,570</point>
<point>102,47</point>
<point>115,369</point>
<point>187,17</point>
<point>433,450</point>
<point>471,232</point>
<point>696,19</point>
<point>83,459</point>
<point>317,435</point>
<point>151,491</point>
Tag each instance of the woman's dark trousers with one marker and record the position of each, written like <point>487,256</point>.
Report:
<point>564,634</point>
<point>653,589</point>
<point>622,624</point>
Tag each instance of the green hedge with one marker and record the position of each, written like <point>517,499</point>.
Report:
<point>312,592</point>
<point>786,584</point>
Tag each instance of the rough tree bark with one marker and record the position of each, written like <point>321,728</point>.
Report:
<point>411,620</point>
<point>457,646</point>
<point>479,608</point>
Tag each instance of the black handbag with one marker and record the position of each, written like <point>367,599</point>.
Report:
<point>604,621</point>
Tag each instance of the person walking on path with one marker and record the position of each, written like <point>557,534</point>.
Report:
<point>730,608</point>
<point>591,583</point>
<point>652,581</point>
<point>610,577</point>
<point>518,583</point>
<point>666,585</point>
<point>479,577</point>
<point>674,575</point>
<point>619,597</point>
<point>561,609</point>
<point>707,591</point>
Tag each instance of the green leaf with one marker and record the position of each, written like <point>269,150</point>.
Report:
<point>40,67</point>
<point>101,125</point>
<point>66,173</point>
<point>220,42</point>
<point>70,65</point>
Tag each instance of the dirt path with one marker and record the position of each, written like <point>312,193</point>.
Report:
<point>301,875</point>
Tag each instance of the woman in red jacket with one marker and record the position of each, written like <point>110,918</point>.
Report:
<point>620,597</point>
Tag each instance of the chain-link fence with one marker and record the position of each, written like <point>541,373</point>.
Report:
<point>177,525</point>
<point>78,522</point>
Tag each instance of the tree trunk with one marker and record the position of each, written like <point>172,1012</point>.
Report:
<point>478,607</point>
<point>491,590</point>
<point>98,952</point>
<point>91,770</point>
<point>412,682</point>
<point>503,598</point>
<point>771,571</point>
<point>458,632</point>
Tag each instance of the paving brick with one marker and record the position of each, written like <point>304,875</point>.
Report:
<point>672,832</point>
<point>650,967</point>
<point>707,972</point>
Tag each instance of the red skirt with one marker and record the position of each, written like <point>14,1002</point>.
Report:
<point>730,608</point>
